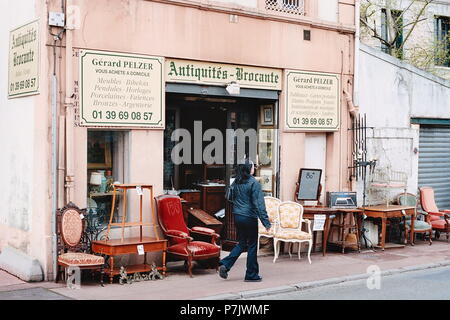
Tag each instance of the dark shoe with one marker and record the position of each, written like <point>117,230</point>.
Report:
<point>259,279</point>
<point>223,272</point>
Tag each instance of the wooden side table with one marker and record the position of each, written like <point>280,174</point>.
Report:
<point>385,212</point>
<point>116,247</point>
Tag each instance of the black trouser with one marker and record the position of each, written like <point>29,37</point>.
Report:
<point>247,231</point>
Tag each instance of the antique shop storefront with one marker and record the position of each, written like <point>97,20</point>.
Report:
<point>135,82</point>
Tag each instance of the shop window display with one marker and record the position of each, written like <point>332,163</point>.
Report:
<point>105,166</point>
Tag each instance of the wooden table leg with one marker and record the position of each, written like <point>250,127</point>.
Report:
<point>314,241</point>
<point>358,222</point>
<point>325,235</point>
<point>164,262</point>
<point>111,276</point>
<point>411,229</point>
<point>383,232</point>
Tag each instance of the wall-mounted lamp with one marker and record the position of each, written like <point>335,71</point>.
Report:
<point>233,89</point>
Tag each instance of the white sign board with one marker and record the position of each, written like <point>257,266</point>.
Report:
<point>23,67</point>
<point>312,101</point>
<point>319,222</point>
<point>121,90</point>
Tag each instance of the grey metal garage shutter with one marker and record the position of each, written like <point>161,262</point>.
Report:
<point>434,162</point>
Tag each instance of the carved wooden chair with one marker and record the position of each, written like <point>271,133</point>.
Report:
<point>289,229</point>
<point>272,205</point>
<point>420,226</point>
<point>181,245</point>
<point>439,219</point>
<point>73,247</point>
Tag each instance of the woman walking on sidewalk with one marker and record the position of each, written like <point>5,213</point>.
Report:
<point>248,206</point>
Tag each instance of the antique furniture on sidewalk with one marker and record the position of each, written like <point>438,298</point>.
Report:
<point>330,215</point>
<point>272,205</point>
<point>439,219</point>
<point>289,228</point>
<point>198,217</point>
<point>420,226</point>
<point>181,245</point>
<point>72,244</point>
<point>385,212</point>
<point>387,179</point>
<point>135,245</point>
<point>212,197</point>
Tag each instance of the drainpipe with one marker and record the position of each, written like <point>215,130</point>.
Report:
<point>68,104</point>
<point>54,187</point>
<point>356,57</point>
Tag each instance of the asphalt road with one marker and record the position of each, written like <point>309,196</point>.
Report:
<point>429,284</point>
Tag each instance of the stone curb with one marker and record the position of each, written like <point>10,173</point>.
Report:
<point>320,283</point>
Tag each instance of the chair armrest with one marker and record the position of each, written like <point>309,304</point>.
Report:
<point>205,231</point>
<point>178,234</point>
<point>435,213</point>
<point>308,222</point>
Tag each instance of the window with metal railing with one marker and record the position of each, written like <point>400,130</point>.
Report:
<point>287,6</point>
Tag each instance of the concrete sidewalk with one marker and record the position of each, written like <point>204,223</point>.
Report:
<point>283,276</point>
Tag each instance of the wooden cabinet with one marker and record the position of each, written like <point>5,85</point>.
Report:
<point>190,199</point>
<point>212,197</point>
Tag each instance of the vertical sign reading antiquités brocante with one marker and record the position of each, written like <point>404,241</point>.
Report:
<point>23,71</point>
<point>118,89</point>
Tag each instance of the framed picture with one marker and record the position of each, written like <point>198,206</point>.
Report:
<point>266,135</point>
<point>266,179</point>
<point>267,115</point>
<point>99,153</point>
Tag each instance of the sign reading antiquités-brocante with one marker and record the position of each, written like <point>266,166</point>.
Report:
<point>23,72</point>
<point>312,101</point>
<point>200,72</point>
<point>118,89</point>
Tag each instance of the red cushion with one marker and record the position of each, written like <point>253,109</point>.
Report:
<point>439,224</point>
<point>177,233</point>
<point>434,217</point>
<point>170,215</point>
<point>198,248</point>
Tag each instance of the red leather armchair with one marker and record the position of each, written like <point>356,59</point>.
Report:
<point>439,219</point>
<point>181,245</point>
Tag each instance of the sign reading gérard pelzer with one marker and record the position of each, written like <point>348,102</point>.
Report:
<point>119,89</point>
<point>23,66</point>
<point>312,101</point>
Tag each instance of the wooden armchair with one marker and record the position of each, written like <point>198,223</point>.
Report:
<point>73,246</point>
<point>181,245</point>
<point>289,229</point>
<point>272,205</point>
<point>423,227</point>
<point>439,219</point>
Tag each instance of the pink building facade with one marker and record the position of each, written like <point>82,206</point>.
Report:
<point>282,37</point>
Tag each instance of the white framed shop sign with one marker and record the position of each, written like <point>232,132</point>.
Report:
<point>121,90</point>
<point>219,74</point>
<point>23,62</point>
<point>313,101</point>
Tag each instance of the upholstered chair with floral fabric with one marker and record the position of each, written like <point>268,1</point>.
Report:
<point>272,205</point>
<point>73,247</point>
<point>289,228</point>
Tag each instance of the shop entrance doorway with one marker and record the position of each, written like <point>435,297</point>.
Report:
<point>202,143</point>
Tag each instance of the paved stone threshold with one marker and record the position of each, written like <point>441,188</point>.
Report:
<point>320,283</point>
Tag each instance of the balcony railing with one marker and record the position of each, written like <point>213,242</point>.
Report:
<point>296,7</point>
